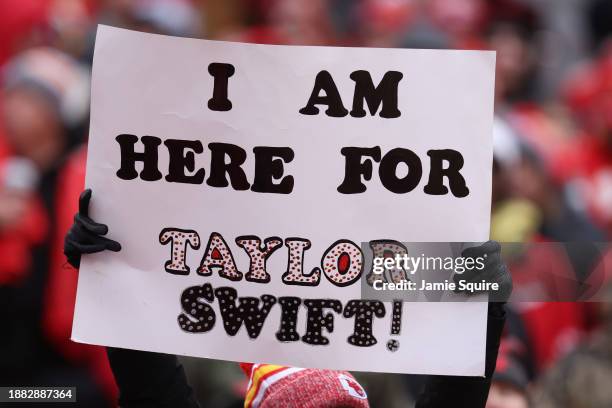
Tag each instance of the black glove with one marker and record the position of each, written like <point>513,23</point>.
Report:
<point>85,235</point>
<point>448,391</point>
<point>494,271</point>
<point>443,391</point>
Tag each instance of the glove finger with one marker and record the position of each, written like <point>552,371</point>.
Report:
<point>491,274</point>
<point>89,248</point>
<point>110,244</point>
<point>491,252</point>
<point>90,225</point>
<point>83,236</point>
<point>84,202</point>
<point>79,235</point>
<point>491,263</point>
<point>488,247</point>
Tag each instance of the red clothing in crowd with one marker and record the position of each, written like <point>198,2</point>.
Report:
<point>588,166</point>
<point>18,245</point>
<point>62,283</point>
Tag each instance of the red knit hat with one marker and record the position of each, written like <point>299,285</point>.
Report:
<point>272,386</point>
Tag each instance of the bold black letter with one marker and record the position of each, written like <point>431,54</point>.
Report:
<point>289,315</point>
<point>354,168</point>
<point>221,73</point>
<point>325,82</point>
<point>267,169</point>
<point>435,185</point>
<point>388,170</point>
<point>218,166</point>
<point>316,320</point>
<point>197,316</point>
<point>181,160</point>
<point>363,310</point>
<point>129,158</point>
<point>247,310</point>
<point>385,93</point>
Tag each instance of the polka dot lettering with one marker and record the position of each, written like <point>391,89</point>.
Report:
<point>198,316</point>
<point>289,314</point>
<point>342,263</point>
<point>258,256</point>
<point>364,312</point>
<point>218,255</point>
<point>247,310</point>
<point>387,248</point>
<point>179,239</point>
<point>295,267</point>
<point>396,319</point>
<point>316,321</point>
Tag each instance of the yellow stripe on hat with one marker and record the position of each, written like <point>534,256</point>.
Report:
<point>259,372</point>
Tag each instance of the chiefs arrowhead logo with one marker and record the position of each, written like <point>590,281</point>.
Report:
<point>352,387</point>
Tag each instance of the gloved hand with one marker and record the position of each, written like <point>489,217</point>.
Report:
<point>494,271</point>
<point>85,235</point>
<point>144,379</point>
<point>448,391</point>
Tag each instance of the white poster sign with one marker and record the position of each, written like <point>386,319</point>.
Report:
<point>243,180</point>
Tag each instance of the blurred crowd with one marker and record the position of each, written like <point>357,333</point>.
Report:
<point>552,173</point>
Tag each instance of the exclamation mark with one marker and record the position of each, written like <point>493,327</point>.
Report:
<point>396,325</point>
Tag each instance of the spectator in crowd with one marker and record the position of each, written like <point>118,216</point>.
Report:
<point>509,386</point>
<point>582,378</point>
<point>44,111</point>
